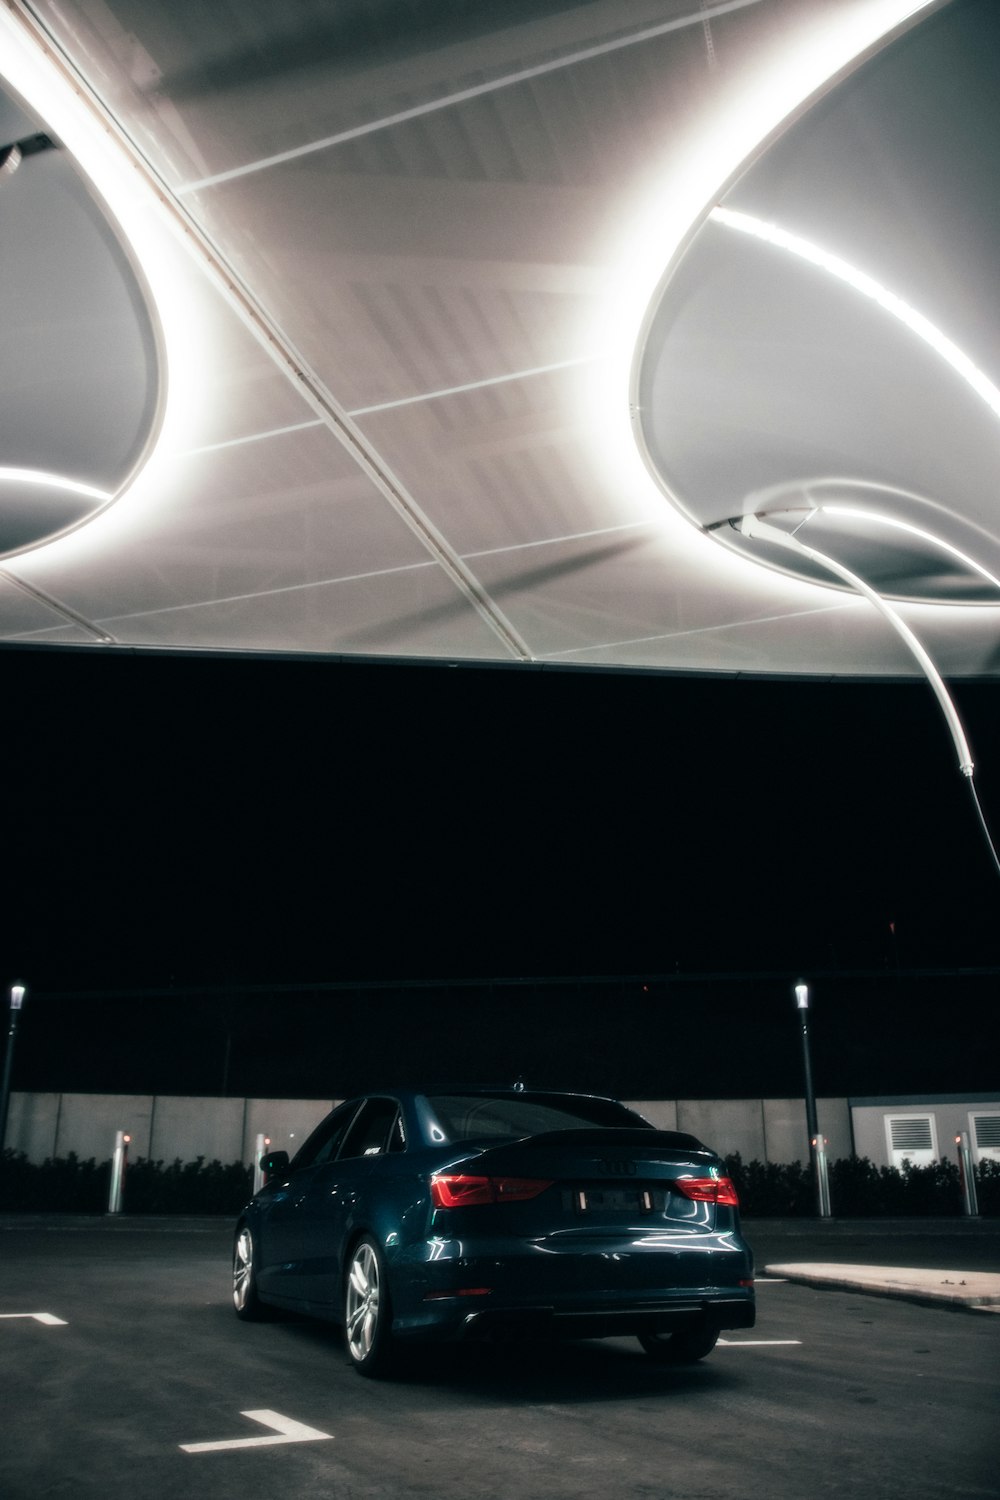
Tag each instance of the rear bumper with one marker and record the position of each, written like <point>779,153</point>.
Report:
<point>578,1285</point>
<point>453,1319</point>
<point>570,1323</point>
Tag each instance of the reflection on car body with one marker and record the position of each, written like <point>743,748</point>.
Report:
<point>486,1213</point>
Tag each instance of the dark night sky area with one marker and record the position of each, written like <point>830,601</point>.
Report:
<point>196,823</point>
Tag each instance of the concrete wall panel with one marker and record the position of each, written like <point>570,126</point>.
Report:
<point>168,1128</point>
<point>88,1123</point>
<point>725,1125</point>
<point>786,1137</point>
<point>286,1121</point>
<point>659,1112</point>
<point>187,1128</point>
<point>32,1123</point>
<point>869,1130</point>
<point>835,1122</point>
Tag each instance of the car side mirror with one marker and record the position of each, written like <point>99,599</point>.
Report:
<point>273,1163</point>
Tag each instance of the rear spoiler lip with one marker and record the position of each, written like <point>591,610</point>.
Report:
<point>601,1145</point>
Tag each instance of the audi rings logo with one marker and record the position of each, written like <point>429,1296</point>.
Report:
<point>619,1168</point>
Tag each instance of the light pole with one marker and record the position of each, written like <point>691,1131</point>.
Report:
<point>17,994</point>
<point>817,1146</point>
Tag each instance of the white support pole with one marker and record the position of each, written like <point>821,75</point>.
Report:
<point>119,1164</point>
<point>967,1173</point>
<point>822,1177</point>
<point>258,1171</point>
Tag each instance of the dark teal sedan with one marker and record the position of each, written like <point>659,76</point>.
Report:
<point>497,1213</point>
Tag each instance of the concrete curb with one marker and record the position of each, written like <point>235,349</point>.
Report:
<point>978,1290</point>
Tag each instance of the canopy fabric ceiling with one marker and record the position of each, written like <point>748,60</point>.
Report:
<point>435,329</point>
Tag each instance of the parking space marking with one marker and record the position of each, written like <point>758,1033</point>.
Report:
<point>756,1343</point>
<point>283,1430</point>
<point>49,1319</point>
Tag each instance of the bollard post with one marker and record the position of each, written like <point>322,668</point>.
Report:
<point>819,1145</point>
<point>967,1176</point>
<point>119,1165</point>
<point>263,1141</point>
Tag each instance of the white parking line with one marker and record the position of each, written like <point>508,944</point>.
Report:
<point>756,1343</point>
<point>49,1319</point>
<point>283,1430</point>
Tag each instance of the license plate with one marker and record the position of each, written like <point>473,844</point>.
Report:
<point>613,1200</point>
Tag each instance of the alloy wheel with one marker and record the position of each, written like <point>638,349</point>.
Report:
<point>242,1269</point>
<point>362,1307</point>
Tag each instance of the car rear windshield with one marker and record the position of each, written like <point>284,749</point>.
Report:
<point>465,1117</point>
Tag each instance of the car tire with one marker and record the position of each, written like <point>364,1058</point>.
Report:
<point>685,1347</point>
<point>246,1299</point>
<point>367,1309</point>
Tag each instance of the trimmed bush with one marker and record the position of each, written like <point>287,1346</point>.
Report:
<point>194,1187</point>
<point>58,1184</point>
<point>860,1189</point>
<point>68,1185</point>
<point>988,1188</point>
<point>772,1190</point>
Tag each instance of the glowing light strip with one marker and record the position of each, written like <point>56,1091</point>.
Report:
<point>918,531</point>
<point>852,276</point>
<point>431,106</point>
<point>273,593</point>
<point>54,482</point>
<point>475,385</point>
<point>367,411</point>
<point>252,437</point>
<point>39,74</point>
<point>554,541</point>
<point>759,529</point>
<point>322,583</point>
<point>653,219</point>
<point>683,635</point>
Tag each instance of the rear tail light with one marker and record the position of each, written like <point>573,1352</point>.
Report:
<point>459,1190</point>
<point>708,1190</point>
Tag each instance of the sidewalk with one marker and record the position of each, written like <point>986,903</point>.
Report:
<point>977,1290</point>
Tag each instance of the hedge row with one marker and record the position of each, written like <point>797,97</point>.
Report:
<point>68,1185</point>
<point>858,1188</point>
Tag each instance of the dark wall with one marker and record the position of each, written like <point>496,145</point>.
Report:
<point>679,1038</point>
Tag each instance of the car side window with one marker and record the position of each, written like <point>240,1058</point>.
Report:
<point>325,1140</point>
<point>375,1130</point>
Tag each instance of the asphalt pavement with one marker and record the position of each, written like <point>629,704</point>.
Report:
<point>125,1371</point>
